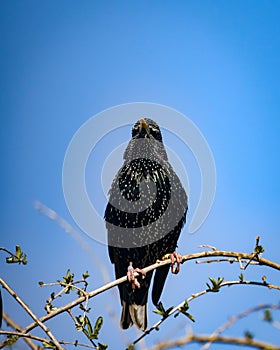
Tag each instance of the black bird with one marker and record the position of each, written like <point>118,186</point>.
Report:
<point>144,217</point>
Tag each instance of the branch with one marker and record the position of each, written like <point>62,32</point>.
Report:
<point>28,310</point>
<point>194,296</point>
<point>19,257</point>
<point>192,338</point>
<point>261,261</point>
<point>236,318</point>
<point>7,251</point>
<point>26,336</point>
<point>16,327</point>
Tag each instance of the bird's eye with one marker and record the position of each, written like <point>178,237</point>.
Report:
<point>154,131</point>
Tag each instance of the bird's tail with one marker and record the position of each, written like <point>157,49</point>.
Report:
<point>134,314</point>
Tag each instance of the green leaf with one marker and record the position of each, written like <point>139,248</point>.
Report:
<point>97,327</point>
<point>18,252</point>
<point>130,347</point>
<point>216,284</point>
<point>85,275</point>
<point>102,346</point>
<point>187,315</point>
<point>168,310</point>
<point>259,249</point>
<point>83,324</point>
<point>79,323</point>
<point>48,345</point>
<point>190,316</point>
<point>267,316</point>
<point>183,309</point>
<point>80,293</point>
<point>89,326</point>
<point>52,308</point>
<point>19,257</point>
<point>24,260</point>
<point>241,277</point>
<point>69,277</point>
<point>161,310</point>
<point>81,306</point>
<point>11,340</point>
<point>249,335</point>
<point>10,260</point>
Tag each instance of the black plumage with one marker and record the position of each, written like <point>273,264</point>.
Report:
<point>144,217</point>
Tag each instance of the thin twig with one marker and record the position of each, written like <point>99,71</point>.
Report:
<point>255,254</point>
<point>26,336</point>
<point>231,261</point>
<point>201,255</point>
<point>7,251</point>
<point>236,318</point>
<point>11,323</point>
<point>192,338</point>
<point>28,310</point>
<point>207,246</point>
<point>78,344</point>
<point>63,290</point>
<point>194,296</point>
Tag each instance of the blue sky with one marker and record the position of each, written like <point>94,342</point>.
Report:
<point>217,62</point>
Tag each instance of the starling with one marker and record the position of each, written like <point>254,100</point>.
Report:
<point>144,217</point>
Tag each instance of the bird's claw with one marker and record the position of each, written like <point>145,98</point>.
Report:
<point>175,258</point>
<point>131,278</point>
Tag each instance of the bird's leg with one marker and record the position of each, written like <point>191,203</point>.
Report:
<point>175,257</point>
<point>130,275</point>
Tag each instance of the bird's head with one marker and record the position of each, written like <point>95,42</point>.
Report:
<point>146,141</point>
<point>146,128</point>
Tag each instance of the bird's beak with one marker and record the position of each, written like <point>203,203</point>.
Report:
<point>144,125</point>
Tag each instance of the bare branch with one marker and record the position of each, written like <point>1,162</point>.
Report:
<point>7,251</point>
<point>207,246</point>
<point>16,327</point>
<point>231,261</point>
<point>201,255</point>
<point>236,318</point>
<point>78,344</point>
<point>192,338</point>
<point>194,296</point>
<point>26,336</point>
<point>28,310</point>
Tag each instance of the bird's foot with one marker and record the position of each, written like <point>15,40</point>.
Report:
<point>175,258</point>
<point>131,278</point>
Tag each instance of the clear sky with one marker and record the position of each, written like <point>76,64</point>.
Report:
<point>217,62</point>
